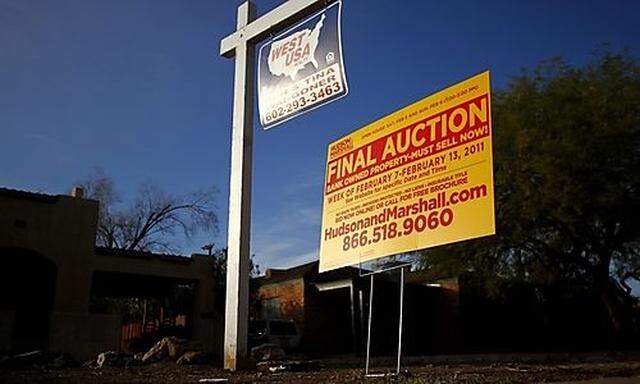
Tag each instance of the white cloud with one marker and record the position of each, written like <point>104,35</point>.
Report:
<point>283,240</point>
<point>297,260</point>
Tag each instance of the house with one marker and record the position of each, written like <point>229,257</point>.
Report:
<point>50,270</point>
<point>331,310</point>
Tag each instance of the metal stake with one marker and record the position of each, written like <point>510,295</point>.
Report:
<point>366,369</point>
<point>400,320</point>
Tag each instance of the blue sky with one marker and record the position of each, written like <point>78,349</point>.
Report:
<point>137,88</point>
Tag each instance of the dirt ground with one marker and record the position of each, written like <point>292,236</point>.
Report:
<point>472,369</point>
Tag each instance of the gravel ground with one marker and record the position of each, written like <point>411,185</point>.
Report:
<point>472,369</point>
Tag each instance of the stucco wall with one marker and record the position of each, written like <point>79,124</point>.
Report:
<point>6,326</point>
<point>290,297</point>
<point>62,229</point>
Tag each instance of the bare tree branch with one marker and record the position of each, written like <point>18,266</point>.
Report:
<point>153,220</point>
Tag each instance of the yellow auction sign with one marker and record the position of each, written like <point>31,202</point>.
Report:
<point>419,177</point>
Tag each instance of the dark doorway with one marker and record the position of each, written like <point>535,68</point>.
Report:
<point>328,322</point>
<point>27,288</point>
<point>151,307</point>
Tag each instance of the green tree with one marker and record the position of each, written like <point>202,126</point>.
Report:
<point>567,182</point>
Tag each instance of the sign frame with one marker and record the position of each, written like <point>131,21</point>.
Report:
<point>339,60</point>
<point>473,191</point>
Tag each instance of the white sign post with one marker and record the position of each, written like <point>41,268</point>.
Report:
<point>241,45</point>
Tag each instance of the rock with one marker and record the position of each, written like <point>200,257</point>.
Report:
<point>174,350</point>
<point>108,359</point>
<point>29,355</point>
<point>156,353</point>
<point>168,346</point>
<point>192,357</point>
<point>266,352</point>
<point>24,360</point>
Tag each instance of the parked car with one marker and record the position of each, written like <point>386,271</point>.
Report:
<point>275,331</point>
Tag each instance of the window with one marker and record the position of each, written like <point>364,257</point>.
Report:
<point>271,308</point>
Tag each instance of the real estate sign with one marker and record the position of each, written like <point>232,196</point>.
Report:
<point>302,68</point>
<point>419,177</point>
